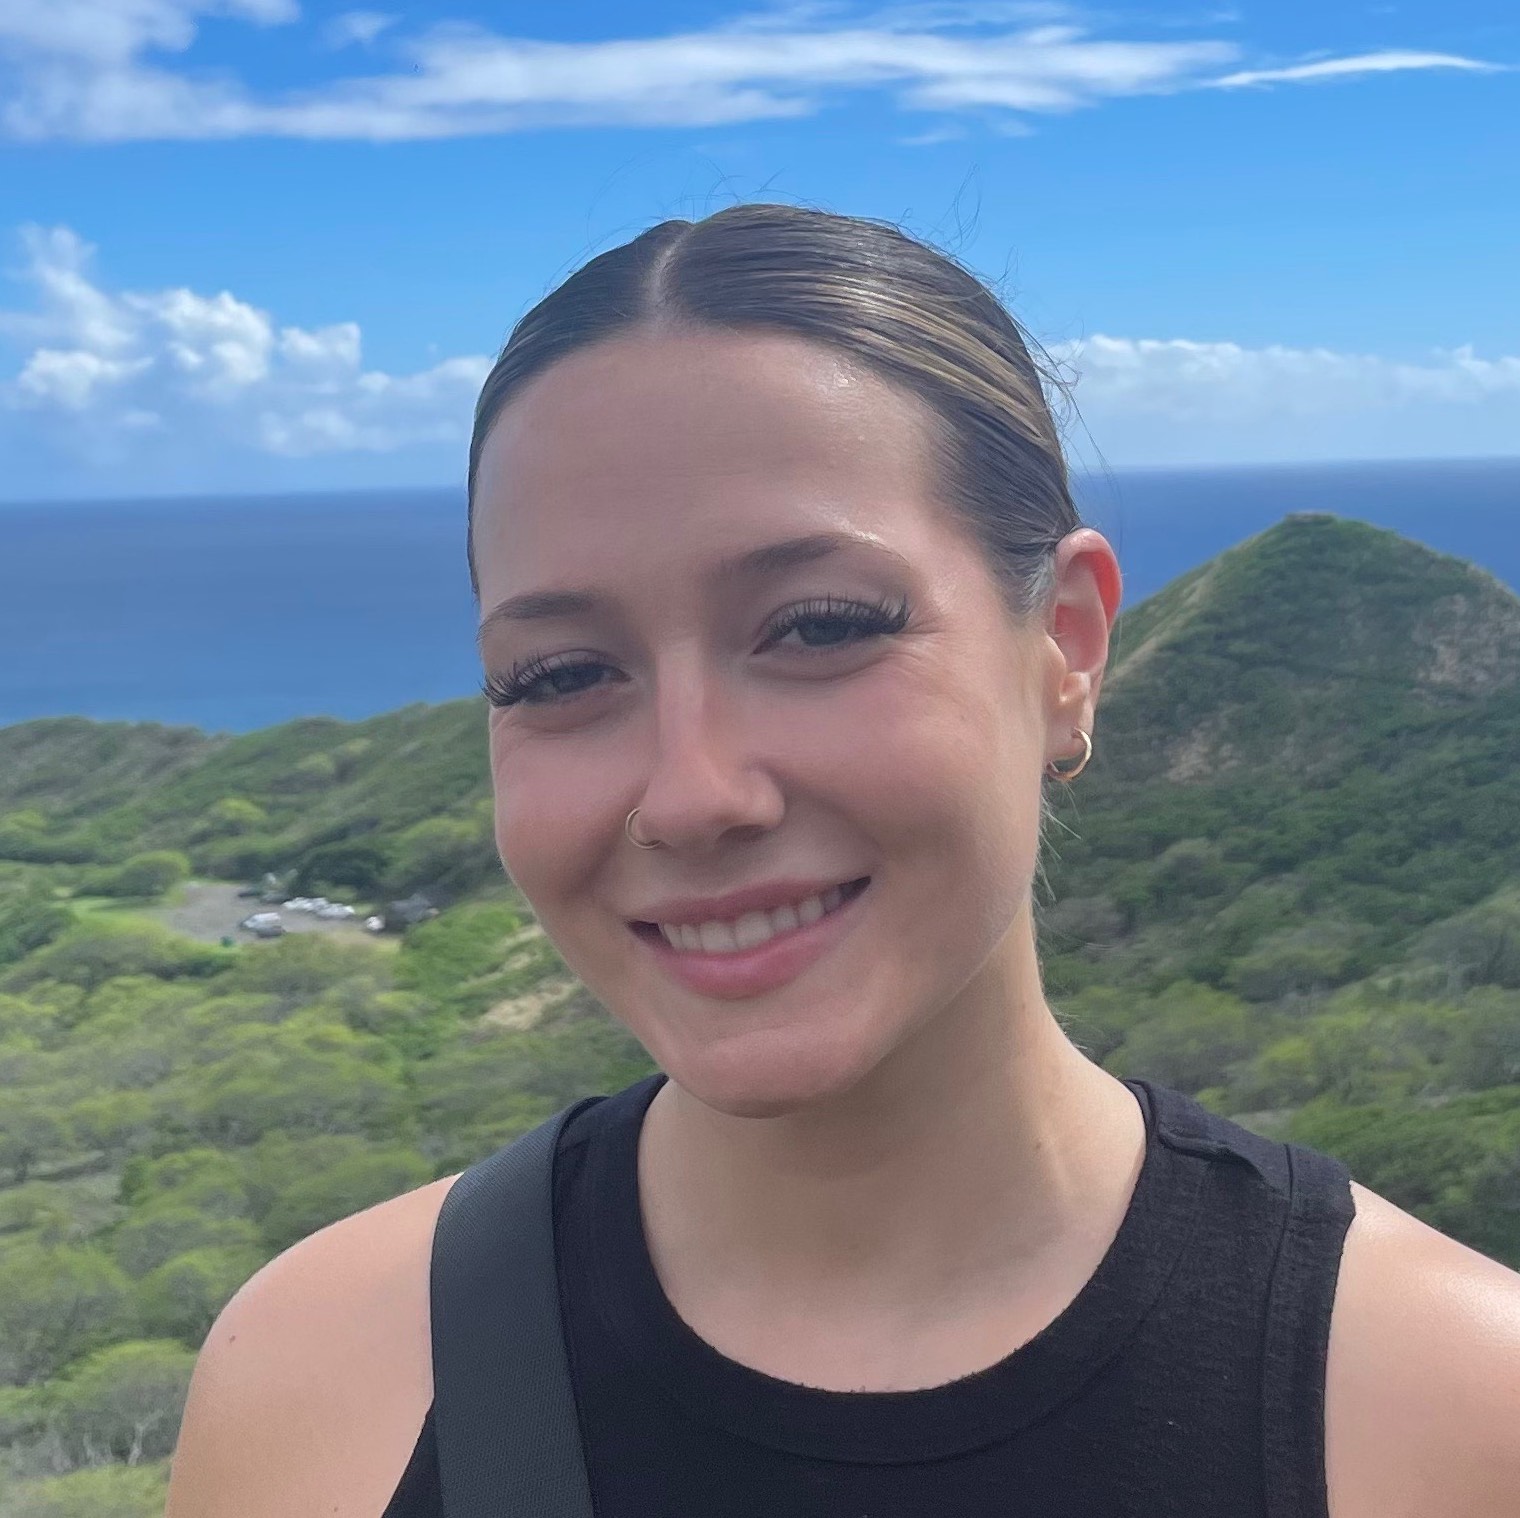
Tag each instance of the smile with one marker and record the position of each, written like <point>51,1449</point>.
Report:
<point>736,958</point>
<point>752,929</point>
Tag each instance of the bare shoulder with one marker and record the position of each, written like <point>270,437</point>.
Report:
<point>1423,1378</point>
<point>310,1388</point>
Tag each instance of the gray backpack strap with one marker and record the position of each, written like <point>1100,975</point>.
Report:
<point>509,1443</point>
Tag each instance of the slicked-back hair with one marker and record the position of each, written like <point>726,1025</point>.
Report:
<point>867,290</point>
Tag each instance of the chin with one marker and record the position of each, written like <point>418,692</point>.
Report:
<point>769,1073</point>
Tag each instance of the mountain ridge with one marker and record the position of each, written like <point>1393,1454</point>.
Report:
<point>1435,633</point>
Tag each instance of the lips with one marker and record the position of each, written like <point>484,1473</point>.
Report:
<point>729,971</point>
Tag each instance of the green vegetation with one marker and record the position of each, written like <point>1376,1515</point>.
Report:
<point>380,808</point>
<point>183,1112</point>
<point>1288,884</point>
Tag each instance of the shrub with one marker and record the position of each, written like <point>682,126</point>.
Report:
<point>318,1188</point>
<point>123,1403</point>
<point>57,1302</point>
<point>300,965</point>
<point>230,816</point>
<point>314,772</point>
<point>107,1491</point>
<point>461,944</point>
<point>360,865</point>
<point>1192,1040</point>
<point>155,1235</point>
<point>1456,1166</point>
<point>209,1181</point>
<point>181,1298</point>
<point>29,920</point>
<point>95,952</point>
<point>144,875</point>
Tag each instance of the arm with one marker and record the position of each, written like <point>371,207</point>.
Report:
<point>1423,1378</point>
<point>313,1382</point>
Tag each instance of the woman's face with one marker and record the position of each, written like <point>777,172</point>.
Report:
<point>718,585</point>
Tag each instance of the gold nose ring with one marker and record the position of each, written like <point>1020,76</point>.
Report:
<point>637,842</point>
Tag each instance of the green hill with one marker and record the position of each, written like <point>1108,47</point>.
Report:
<point>1325,716</point>
<point>386,806</point>
<point>1318,646</point>
<point>1288,883</point>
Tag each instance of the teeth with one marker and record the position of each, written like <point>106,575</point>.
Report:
<point>717,937</point>
<point>784,919</point>
<point>753,928</point>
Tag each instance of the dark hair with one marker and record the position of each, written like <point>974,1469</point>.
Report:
<point>867,289</point>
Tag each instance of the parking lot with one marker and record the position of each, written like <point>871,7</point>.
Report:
<point>212,909</point>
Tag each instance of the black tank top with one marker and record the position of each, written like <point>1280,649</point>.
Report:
<point>1186,1378</point>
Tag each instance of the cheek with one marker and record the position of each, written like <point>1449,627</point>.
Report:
<point>924,741</point>
<point>951,780</point>
<point>543,801</point>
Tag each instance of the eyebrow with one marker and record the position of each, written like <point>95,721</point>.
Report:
<point>754,563</point>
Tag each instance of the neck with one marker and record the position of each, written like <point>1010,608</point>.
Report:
<point>957,1198</point>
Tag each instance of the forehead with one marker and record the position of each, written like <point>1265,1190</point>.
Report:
<point>645,443</point>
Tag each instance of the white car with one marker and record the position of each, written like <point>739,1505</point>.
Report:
<point>335,909</point>
<point>298,904</point>
<point>263,924</point>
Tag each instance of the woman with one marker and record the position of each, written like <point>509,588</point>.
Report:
<point>788,616</point>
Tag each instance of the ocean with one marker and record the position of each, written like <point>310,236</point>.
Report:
<point>232,613</point>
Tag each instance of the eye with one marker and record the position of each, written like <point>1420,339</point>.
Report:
<point>821,625</point>
<point>831,622</point>
<point>542,682</point>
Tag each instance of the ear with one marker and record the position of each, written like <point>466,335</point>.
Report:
<point>1084,601</point>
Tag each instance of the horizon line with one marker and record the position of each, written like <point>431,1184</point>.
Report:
<point>1095,474</point>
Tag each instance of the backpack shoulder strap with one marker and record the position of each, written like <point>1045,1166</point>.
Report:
<point>504,1413</point>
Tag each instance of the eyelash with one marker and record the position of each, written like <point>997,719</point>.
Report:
<point>869,618</point>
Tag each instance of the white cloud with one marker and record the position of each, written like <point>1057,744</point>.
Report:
<point>950,132</point>
<point>1203,381</point>
<point>97,70</point>
<point>71,380</point>
<point>116,31</point>
<point>120,389</point>
<point>356,27</point>
<point>1172,400</point>
<point>119,376</point>
<point>1347,68</point>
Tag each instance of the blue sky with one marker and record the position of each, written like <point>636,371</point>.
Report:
<point>263,244</point>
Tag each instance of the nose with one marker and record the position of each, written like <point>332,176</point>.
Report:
<point>706,779</point>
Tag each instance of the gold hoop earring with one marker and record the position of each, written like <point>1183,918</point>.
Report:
<point>637,842</point>
<point>1068,775</point>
